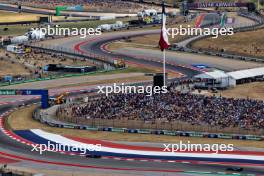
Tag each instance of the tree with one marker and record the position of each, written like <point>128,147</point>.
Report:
<point>261,2</point>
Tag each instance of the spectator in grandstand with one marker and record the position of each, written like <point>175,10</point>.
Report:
<point>91,5</point>
<point>174,106</point>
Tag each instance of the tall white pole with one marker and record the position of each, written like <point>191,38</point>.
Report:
<point>164,68</point>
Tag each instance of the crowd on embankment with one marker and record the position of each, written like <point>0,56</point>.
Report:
<point>89,5</point>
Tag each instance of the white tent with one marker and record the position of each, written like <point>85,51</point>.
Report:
<point>215,79</point>
<point>19,39</point>
<point>212,75</point>
<point>249,73</point>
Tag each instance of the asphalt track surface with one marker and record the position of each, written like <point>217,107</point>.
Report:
<point>8,146</point>
<point>20,151</point>
<point>96,47</point>
<point>12,149</point>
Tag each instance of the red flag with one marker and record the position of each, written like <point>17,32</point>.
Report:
<point>164,40</point>
<point>199,21</point>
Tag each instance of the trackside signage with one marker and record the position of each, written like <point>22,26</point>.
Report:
<point>216,4</point>
<point>7,92</point>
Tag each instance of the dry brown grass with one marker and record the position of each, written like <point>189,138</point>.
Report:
<point>9,68</point>
<point>6,16</point>
<point>148,41</point>
<point>22,119</point>
<point>122,44</point>
<point>244,43</point>
<point>15,17</point>
<point>154,38</point>
<point>41,59</point>
<point>251,90</point>
<point>15,65</point>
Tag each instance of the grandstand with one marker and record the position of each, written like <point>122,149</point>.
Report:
<point>88,5</point>
<point>171,110</point>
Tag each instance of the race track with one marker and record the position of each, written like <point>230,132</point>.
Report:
<point>21,152</point>
<point>20,155</point>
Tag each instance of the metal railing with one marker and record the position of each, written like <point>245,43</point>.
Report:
<point>159,128</point>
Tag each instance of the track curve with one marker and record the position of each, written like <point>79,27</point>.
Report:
<point>9,147</point>
<point>96,46</point>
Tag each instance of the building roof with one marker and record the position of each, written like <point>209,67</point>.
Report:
<point>216,74</point>
<point>249,73</point>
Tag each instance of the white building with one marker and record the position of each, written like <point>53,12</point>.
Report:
<point>249,75</point>
<point>221,80</point>
<point>147,12</point>
<point>215,79</point>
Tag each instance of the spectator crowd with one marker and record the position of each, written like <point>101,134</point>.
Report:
<point>171,107</point>
<point>89,5</point>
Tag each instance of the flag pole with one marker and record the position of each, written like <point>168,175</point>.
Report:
<point>164,51</point>
<point>164,67</point>
<point>164,41</point>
